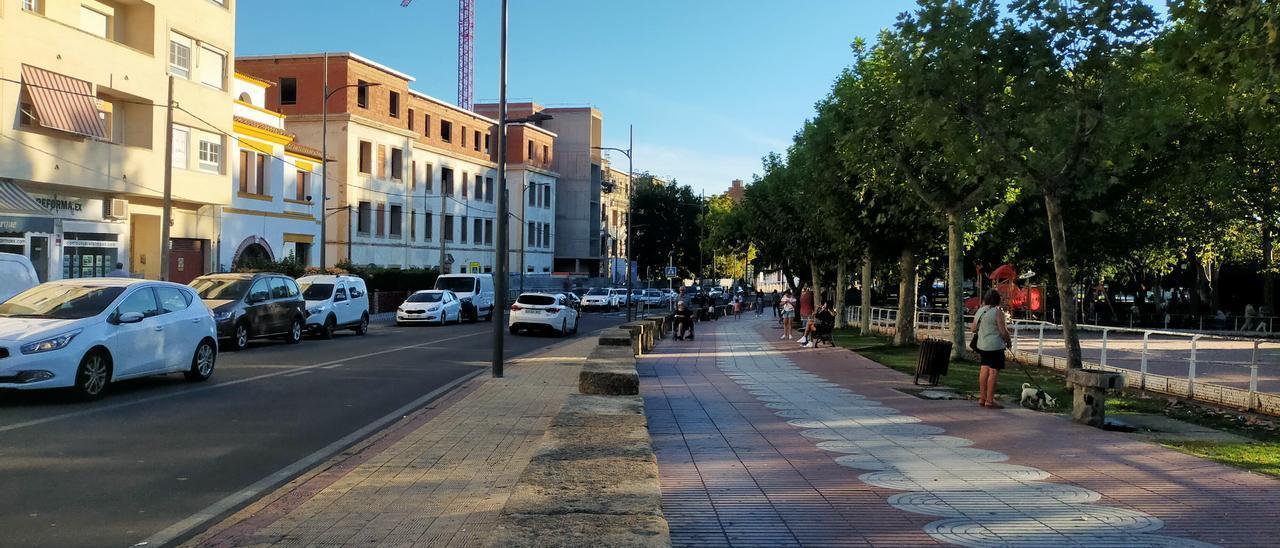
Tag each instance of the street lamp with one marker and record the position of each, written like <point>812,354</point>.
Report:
<point>631,143</point>
<point>324,164</point>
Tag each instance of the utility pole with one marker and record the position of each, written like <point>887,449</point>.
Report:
<point>443,236</point>
<point>524,210</point>
<point>631,194</point>
<point>501,259</point>
<point>166,216</point>
<point>324,170</point>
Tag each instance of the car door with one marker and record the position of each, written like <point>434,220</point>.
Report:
<point>257,308</point>
<point>341,304</point>
<point>452,306</point>
<point>181,328</point>
<point>134,345</point>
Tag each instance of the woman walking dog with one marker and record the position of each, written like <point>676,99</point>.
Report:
<point>991,337</point>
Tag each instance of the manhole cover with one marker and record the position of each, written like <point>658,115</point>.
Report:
<point>932,393</point>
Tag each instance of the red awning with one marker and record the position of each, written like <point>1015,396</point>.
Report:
<point>62,102</point>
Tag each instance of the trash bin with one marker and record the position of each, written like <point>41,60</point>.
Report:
<point>933,361</point>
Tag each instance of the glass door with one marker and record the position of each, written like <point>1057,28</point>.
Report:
<point>38,244</point>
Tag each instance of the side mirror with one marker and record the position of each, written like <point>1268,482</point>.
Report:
<point>129,317</point>
<point>257,297</point>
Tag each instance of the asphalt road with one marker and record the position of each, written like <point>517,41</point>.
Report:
<point>156,451</point>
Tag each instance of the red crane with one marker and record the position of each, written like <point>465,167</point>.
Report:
<point>466,49</point>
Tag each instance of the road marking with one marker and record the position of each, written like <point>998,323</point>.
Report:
<point>334,366</point>
<point>301,465</point>
<point>298,373</point>
<point>73,414</point>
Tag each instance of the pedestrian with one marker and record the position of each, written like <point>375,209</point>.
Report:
<point>788,305</point>
<point>759,304</point>
<point>775,300</point>
<point>119,272</point>
<point>824,317</point>
<point>806,304</point>
<point>683,322</point>
<point>992,338</point>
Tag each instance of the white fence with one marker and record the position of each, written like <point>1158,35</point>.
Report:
<point>1237,372</point>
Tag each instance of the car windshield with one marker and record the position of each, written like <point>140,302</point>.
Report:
<point>316,291</point>
<point>598,291</point>
<point>653,293</point>
<point>457,285</point>
<point>425,298</point>
<point>221,288</point>
<point>59,301</point>
<point>536,300</point>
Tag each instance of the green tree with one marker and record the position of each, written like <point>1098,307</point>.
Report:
<point>665,226</point>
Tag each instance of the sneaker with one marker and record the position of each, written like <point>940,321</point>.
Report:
<point>784,337</point>
<point>803,340</point>
<point>807,345</point>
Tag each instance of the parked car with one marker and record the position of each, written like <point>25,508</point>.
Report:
<point>249,306</point>
<point>18,275</point>
<point>654,297</point>
<point>672,295</point>
<point>335,302</point>
<point>619,297</point>
<point>475,291</point>
<point>85,334</point>
<point>543,312</point>
<point>438,306</point>
<point>637,297</point>
<point>572,300</point>
<point>598,298</point>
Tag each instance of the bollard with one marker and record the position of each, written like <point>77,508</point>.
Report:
<point>1040,347</point>
<point>1142,372</point>
<point>1191,371</point>
<point>1253,379</point>
<point>1102,360</point>
<point>1014,346</point>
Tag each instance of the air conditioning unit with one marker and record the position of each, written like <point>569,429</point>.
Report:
<point>116,208</point>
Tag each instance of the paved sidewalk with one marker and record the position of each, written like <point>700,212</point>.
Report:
<point>439,478</point>
<point>760,442</point>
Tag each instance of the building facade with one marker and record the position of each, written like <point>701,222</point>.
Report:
<point>82,154</point>
<point>413,178</point>
<point>532,185</point>
<point>615,208</point>
<point>274,212</point>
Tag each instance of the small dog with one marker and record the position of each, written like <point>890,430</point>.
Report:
<point>1035,398</point>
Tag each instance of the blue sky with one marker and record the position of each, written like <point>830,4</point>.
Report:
<point>711,85</point>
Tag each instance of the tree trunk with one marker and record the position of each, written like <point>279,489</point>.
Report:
<point>791,282</point>
<point>864,319</point>
<point>905,333</point>
<point>842,285</point>
<point>1062,275</point>
<point>815,275</point>
<point>955,282</point>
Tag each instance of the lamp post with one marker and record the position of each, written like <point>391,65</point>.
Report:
<point>324,165</point>
<point>630,194</point>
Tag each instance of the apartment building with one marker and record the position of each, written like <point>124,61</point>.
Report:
<point>275,211</point>
<point>532,185</point>
<point>615,208</point>
<point>578,164</point>
<point>412,181</point>
<point>82,153</point>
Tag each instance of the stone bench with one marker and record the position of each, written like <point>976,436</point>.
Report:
<point>1089,394</point>
<point>662,325</point>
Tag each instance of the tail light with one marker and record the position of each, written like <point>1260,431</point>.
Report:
<point>554,310</point>
<point>515,308</point>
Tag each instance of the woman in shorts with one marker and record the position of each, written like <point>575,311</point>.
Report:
<point>788,305</point>
<point>993,338</point>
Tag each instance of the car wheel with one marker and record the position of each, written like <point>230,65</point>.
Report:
<point>513,330</point>
<point>295,332</point>
<point>240,340</point>
<point>326,332</point>
<point>489,318</point>
<point>564,328</point>
<point>444,315</point>
<point>576,321</point>
<point>202,362</point>
<point>363,327</point>
<point>93,375</point>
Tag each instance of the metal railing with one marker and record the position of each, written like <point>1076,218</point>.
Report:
<point>1235,371</point>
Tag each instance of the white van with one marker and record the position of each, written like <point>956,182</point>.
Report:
<point>475,291</point>
<point>335,302</point>
<point>18,275</point>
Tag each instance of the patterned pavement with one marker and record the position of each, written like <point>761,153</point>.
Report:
<point>762,443</point>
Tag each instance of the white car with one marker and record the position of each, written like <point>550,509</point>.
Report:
<point>544,312</point>
<point>432,306</point>
<point>475,291</point>
<point>619,297</point>
<point>17,273</point>
<point>599,297</point>
<point>84,334</point>
<point>335,302</point>
<point>655,297</point>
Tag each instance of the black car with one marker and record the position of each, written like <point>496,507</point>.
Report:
<point>253,305</point>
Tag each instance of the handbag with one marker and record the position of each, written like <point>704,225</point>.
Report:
<point>973,341</point>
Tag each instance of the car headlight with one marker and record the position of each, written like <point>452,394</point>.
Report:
<point>315,310</point>
<point>224,315</point>
<point>433,308</point>
<point>52,343</point>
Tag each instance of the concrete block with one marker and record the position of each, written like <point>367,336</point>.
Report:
<point>615,337</point>
<point>590,411</point>
<point>608,379</point>
<point>590,471</point>
<point>582,531</point>
<point>640,335</point>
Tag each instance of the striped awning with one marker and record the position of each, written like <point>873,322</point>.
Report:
<point>14,200</point>
<point>62,102</point>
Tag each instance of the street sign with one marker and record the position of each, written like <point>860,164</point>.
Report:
<point>671,271</point>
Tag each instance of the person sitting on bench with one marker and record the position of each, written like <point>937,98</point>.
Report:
<point>824,316</point>
<point>683,321</point>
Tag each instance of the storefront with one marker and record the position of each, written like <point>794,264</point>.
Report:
<point>65,236</point>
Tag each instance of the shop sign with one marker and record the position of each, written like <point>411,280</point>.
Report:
<point>91,243</point>
<point>26,224</point>
<point>71,207</point>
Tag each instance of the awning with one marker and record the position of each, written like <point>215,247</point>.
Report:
<point>62,102</point>
<point>15,200</point>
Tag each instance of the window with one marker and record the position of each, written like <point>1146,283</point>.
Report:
<point>278,289</point>
<point>476,142</point>
<point>546,230</point>
<point>180,55</point>
<point>546,154</point>
<point>303,186</point>
<point>362,94</point>
<point>488,232</point>
<point>488,189</point>
<point>365,218</point>
<point>94,22</point>
<point>288,91</point>
<point>413,225</point>
<point>172,299</point>
<point>446,180</point>
<point>480,188</point>
<point>382,161</point>
<point>530,150</point>
<point>397,164</point>
<point>464,230</point>
<point>486,143</point>
<point>31,5</point>
<point>213,67</point>
<point>394,97</point>
<point>211,155</point>
<point>142,301</point>
<point>366,157</point>
<point>426,177</point>
<point>381,227</point>
<point>181,136</point>
<point>465,185</point>
<point>446,131</point>
<point>26,114</point>
<point>396,223</point>
<point>533,197</point>
<point>546,196</point>
<point>531,234</point>
<point>410,117</point>
<point>477,235</point>
<point>464,136</point>
<point>260,180</point>
<point>426,125</point>
<point>448,228</point>
<point>413,173</point>
<point>245,172</point>
<point>426,227</point>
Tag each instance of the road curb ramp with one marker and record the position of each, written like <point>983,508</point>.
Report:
<point>594,480</point>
